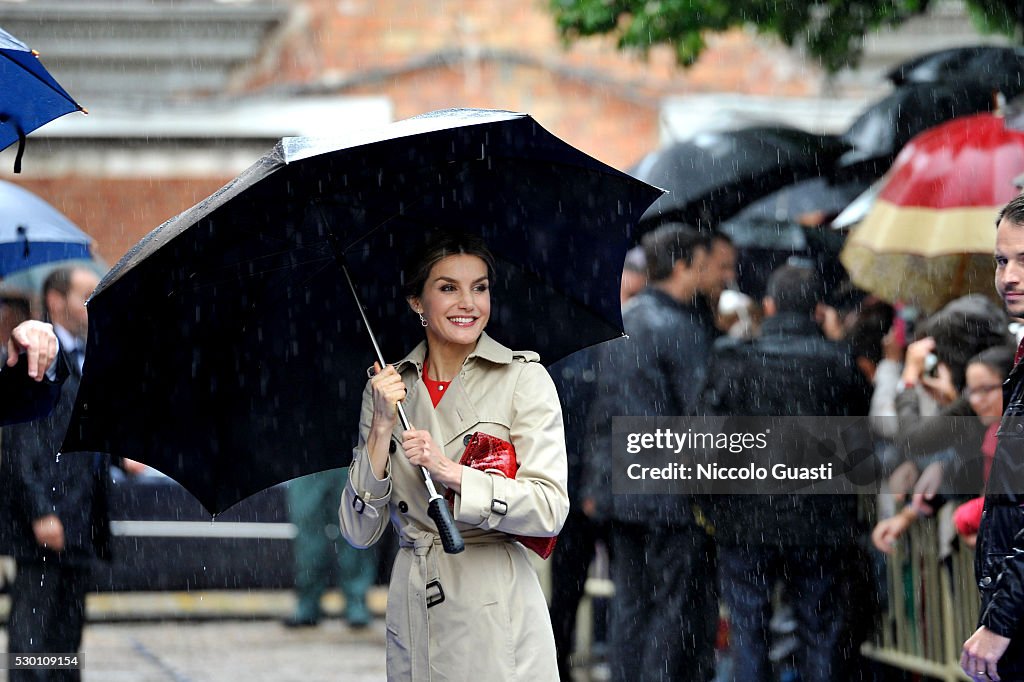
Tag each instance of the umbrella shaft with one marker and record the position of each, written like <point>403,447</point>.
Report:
<point>406,424</point>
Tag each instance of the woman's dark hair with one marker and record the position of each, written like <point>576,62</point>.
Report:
<point>963,328</point>
<point>437,248</point>
<point>997,358</point>
<point>866,335</point>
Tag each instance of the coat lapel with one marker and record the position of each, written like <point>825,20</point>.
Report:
<point>456,416</point>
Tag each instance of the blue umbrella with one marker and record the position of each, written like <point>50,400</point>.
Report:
<point>32,232</point>
<point>29,96</point>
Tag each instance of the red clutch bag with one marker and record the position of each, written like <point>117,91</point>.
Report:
<point>489,454</point>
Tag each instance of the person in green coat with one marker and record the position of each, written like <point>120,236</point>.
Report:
<point>313,508</point>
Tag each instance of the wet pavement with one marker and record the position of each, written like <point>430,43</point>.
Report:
<point>230,636</point>
<point>223,636</point>
<point>244,651</point>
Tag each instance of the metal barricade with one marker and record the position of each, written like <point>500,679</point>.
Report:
<point>932,602</point>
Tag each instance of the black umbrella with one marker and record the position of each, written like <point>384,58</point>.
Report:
<point>770,232</point>
<point>762,245</point>
<point>715,174</point>
<point>881,131</point>
<point>801,200</point>
<point>29,96</point>
<point>248,356</point>
<point>993,66</point>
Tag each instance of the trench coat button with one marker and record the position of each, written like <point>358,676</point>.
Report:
<point>985,582</point>
<point>468,437</point>
<point>392,447</point>
<point>403,507</point>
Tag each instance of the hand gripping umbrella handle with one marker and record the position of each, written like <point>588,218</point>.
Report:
<point>437,508</point>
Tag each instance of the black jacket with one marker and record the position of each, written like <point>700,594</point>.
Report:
<point>35,480</point>
<point>999,556</point>
<point>791,369</point>
<point>575,379</point>
<point>657,371</point>
<point>23,399</point>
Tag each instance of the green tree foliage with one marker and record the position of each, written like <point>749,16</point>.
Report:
<point>830,30</point>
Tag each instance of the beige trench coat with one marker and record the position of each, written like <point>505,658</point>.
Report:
<point>493,622</point>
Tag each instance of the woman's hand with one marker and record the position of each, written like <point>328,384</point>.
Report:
<point>887,532</point>
<point>940,386</point>
<point>388,390</point>
<point>421,450</point>
<point>927,487</point>
<point>913,363</point>
<point>902,479</point>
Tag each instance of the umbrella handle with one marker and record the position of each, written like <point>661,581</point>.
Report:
<point>451,539</point>
<point>437,508</point>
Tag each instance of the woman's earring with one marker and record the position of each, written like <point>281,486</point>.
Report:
<point>423,320</point>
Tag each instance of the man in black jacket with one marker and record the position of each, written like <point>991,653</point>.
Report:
<point>996,650</point>
<point>805,541</point>
<point>664,615</point>
<point>57,521</point>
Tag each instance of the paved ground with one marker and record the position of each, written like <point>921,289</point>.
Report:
<point>227,637</point>
<point>222,637</point>
<point>242,651</point>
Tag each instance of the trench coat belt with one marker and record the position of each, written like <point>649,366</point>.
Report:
<point>424,583</point>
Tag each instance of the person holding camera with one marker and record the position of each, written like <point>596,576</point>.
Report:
<point>942,453</point>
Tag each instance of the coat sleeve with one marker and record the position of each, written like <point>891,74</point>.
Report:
<point>24,399</point>
<point>364,501</point>
<point>1005,610</point>
<point>534,503</point>
<point>28,447</point>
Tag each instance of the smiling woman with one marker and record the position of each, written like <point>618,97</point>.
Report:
<point>445,609</point>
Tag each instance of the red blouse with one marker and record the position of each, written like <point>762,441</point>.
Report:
<point>436,389</point>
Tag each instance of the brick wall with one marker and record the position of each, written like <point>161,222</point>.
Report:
<point>497,54</point>
<point>117,212</point>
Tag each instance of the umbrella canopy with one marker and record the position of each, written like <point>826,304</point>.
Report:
<point>250,354</point>
<point>882,130</point>
<point>32,232</point>
<point>930,235</point>
<point>809,202</point>
<point>991,65</point>
<point>715,174</point>
<point>29,96</point>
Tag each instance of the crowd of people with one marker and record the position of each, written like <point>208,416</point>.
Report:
<point>801,351</point>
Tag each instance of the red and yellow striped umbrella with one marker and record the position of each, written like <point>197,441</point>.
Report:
<point>930,235</point>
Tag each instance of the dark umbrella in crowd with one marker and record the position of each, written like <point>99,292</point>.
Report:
<point>715,174</point>
<point>881,131</point>
<point>33,232</point>
<point>809,202</point>
<point>785,225</point>
<point>994,66</point>
<point>29,95</point>
<point>248,351</point>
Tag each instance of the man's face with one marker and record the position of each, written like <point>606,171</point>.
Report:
<point>1010,266</point>
<point>718,270</point>
<point>70,312</point>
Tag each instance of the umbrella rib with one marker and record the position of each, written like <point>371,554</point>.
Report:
<point>289,266</point>
<point>368,233</point>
